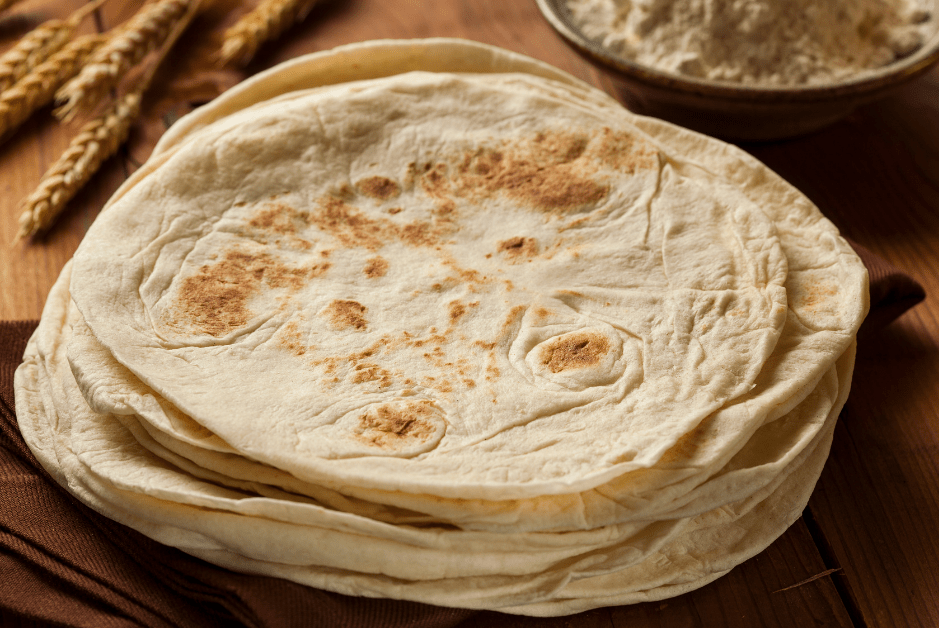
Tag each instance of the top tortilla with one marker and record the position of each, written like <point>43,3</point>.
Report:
<point>538,291</point>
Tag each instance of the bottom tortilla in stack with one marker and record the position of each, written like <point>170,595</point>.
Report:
<point>473,336</point>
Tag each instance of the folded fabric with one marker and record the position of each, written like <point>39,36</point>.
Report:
<point>63,564</point>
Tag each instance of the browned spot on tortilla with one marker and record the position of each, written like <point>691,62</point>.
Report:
<point>345,192</point>
<point>381,188</point>
<point>434,180</point>
<point>492,372</point>
<point>290,338</point>
<point>376,267</point>
<point>457,310</point>
<point>347,224</point>
<point>346,314</point>
<point>281,276</point>
<point>353,228</point>
<point>542,312</point>
<point>624,152</point>
<point>393,425</point>
<point>516,249</point>
<point>278,218</point>
<point>535,181</point>
<point>419,234</point>
<point>574,351</point>
<point>446,208</point>
<point>215,299</point>
<point>814,296</point>
<point>512,316</point>
<point>371,373</point>
<point>548,171</point>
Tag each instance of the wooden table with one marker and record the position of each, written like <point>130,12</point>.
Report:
<point>875,513</point>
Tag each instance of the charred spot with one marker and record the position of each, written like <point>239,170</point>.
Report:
<point>346,314</point>
<point>277,218</point>
<point>290,338</point>
<point>519,247</point>
<point>215,299</point>
<point>457,310</point>
<point>574,351</point>
<point>381,188</point>
<point>392,425</point>
<point>624,152</point>
<point>547,171</point>
<point>376,267</point>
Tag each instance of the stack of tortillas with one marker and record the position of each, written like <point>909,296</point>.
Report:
<point>434,321</point>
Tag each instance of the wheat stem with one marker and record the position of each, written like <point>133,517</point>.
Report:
<point>267,21</point>
<point>37,89</point>
<point>145,32</point>
<point>37,45</point>
<point>97,140</point>
<point>6,4</point>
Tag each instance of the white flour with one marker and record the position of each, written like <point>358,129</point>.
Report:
<point>768,42</point>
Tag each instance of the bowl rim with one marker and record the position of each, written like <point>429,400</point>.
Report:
<point>559,17</point>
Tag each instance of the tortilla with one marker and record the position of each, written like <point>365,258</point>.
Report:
<point>532,573</point>
<point>531,327</point>
<point>435,321</point>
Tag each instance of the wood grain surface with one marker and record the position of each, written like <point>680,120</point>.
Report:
<point>875,512</point>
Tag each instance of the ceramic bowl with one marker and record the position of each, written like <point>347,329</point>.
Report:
<point>739,112</point>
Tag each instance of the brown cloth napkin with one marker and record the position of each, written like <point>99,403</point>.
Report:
<point>62,564</point>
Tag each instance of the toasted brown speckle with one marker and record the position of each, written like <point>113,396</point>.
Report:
<point>215,300</point>
<point>290,338</point>
<point>381,188</point>
<point>376,267</point>
<point>393,425</point>
<point>624,152</point>
<point>277,218</point>
<point>574,351</point>
<point>347,314</point>
<point>457,310</point>
<point>814,297</point>
<point>519,248</point>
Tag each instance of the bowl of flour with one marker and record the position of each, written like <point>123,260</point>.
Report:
<point>751,69</point>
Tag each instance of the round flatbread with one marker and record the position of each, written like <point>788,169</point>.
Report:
<point>434,321</point>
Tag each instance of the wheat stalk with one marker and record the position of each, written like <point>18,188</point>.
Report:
<point>36,46</point>
<point>37,89</point>
<point>97,140</point>
<point>6,4</point>
<point>267,21</point>
<point>145,32</point>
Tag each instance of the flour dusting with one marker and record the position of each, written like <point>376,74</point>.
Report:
<point>765,42</point>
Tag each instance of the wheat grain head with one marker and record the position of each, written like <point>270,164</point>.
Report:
<point>6,4</point>
<point>37,89</point>
<point>95,142</point>
<point>145,32</point>
<point>267,21</point>
<point>36,46</point>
